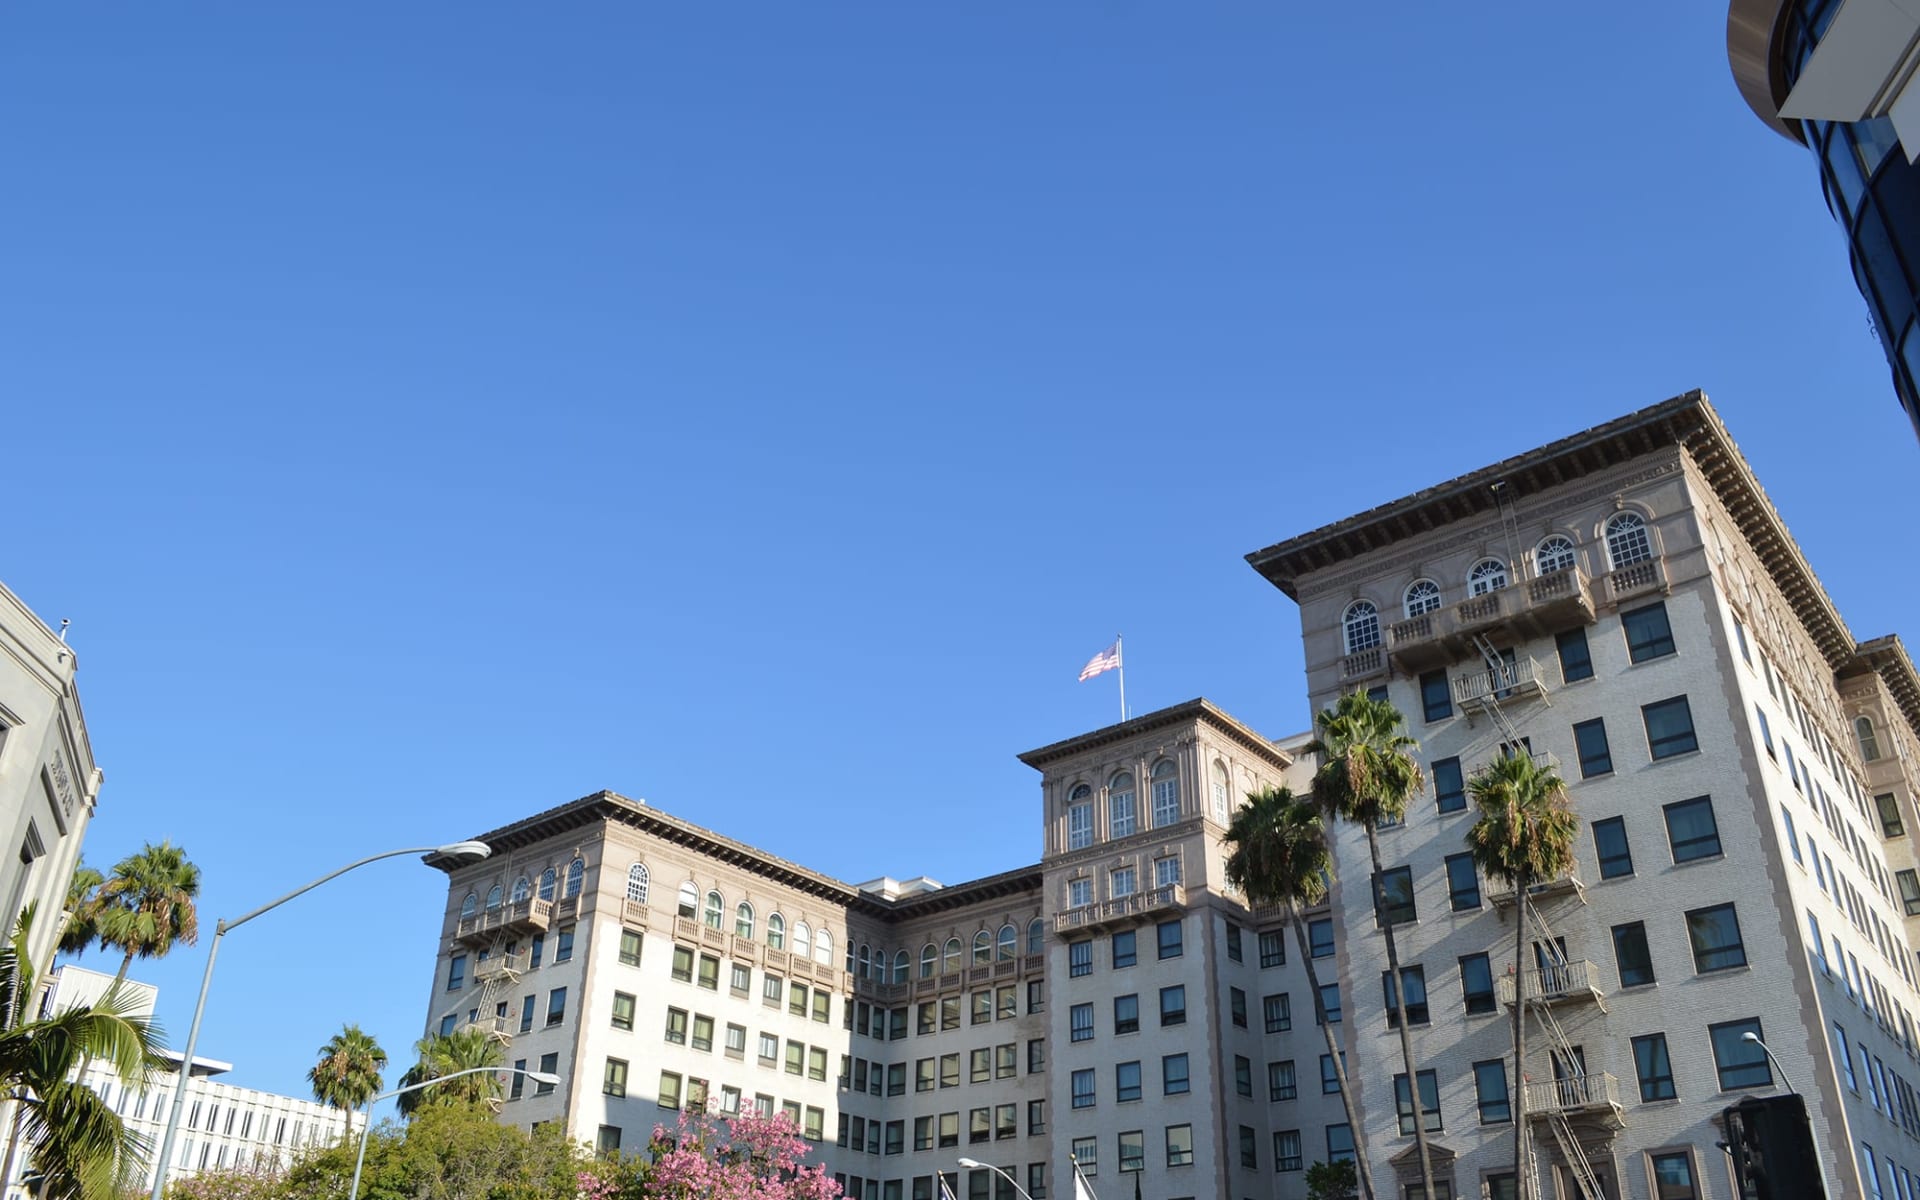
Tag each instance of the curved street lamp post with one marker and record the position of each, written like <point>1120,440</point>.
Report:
<point>459,849</point>
<point>974,1164</point>
<point>366,1127</point>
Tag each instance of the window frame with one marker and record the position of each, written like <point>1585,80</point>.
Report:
<point>1695,843</point>
<point>1648,632</point>
<point>1668,745</point>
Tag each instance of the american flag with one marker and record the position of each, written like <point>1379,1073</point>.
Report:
<point>1105,661</point>
<point>946,1193</point>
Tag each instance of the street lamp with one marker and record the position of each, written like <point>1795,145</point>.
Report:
<point>455,849</point>
<point>1751,1036</point>
<point>974,1164</point>
<point>366,1128</point>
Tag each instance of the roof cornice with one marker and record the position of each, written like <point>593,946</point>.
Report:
<point>1199,709</point>
<point>1887,658</point>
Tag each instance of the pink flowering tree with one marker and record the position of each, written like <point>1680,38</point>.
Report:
<point>745,1157</point>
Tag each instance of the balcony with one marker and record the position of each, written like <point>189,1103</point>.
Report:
<point>1569,983</point>
<point>1511,681</point>
<point>1551,889</point>
<point>521,919</point>
<point>1544,604</point>
<point>1416,641</point>
<point>1363,664</point>
<point>1577,1096</point>
<point>493,1028</point>
<point>1641,579</point>
<point>1137,909</point>
<point>634,914</point>
<point>505,966</point>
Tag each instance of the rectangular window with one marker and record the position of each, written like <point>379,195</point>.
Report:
<point>1172,943</point>
<point>1079,826</point>
<point>1655,1069</point>
<point>796,1057</point>
<point>773,989</point>
<point>950,1012</point>
<point>456,972</point>
<point>1909,891</point>
<point>982,1008</point>
<point>614,1081</point>
<point>1081,1023</point>
<point>949,1070</point>
<point>980,1065</point>
<point>1079,959</point>
<point>682,965</point>
<point>1596,758</point>
<point>1173,1075</point>
<point>1793,837</point>
<point>1126,1014</point>
<point>1126,1081</point>
<point>1237,1006</point>
<point>1429,1102</point>
<point>1631,955</point>
<point>1741,1064</point>
<point>702,1032</point>
<point>514,1090</point>
<point>1648,633</point>
<point>1740,636</point>
<point>1330,1002</point>
<point>769,1050</point>
<point>1036,1055</point>
<point>1079,892</point>
<point>736,1041</point>
<point>1339,1143</point>
<point>563,945</point>
<point>1576,661</point>
<point>1281,1082</point>
<point>1243,1075</point>
<point>797,998</point>
<point>1715,934</point>
<point>1766,733</point>
<point>1121,882</point>
<point>622,1010</point>
<point>1610,843</point>
<point>1166,871</point>
<point>1036,1117</point>
<point>1669,727</point>
<point>1329,1076</point>
<point>1179,1145</point>
<point>709,973</point>
<point>1125,948</point>
<point>556,1006</point>
<point>1436,698</point>
<point>740,979</point>
<point>1449,786</point>
<point>1320,937</point>
<point>1086,1153</point>
<point>1286,1150</point>
<point>1396,897</point>
<point>1133,1151</point>
<point>1083,1088</point>
<point>669,1092</point>
<point>1278,1011</point>
<point>1888,807</point>
<point>1463,883</point>
<point>629,948</point>
<point>1413,980</point>
<point>1476,983</point>
<point>1233,942</point>
<point>1173,1005</point>
<point>1273,949</point>
<point>1691,829</point>
<point>949,1130</point>
<point>677,1026</point>
<point>1490,1089</point>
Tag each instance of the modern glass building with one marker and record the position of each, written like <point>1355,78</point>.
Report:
<point>1836,76</point>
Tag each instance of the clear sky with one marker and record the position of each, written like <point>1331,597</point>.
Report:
<point>431,413</point>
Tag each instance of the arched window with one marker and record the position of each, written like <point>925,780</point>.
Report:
<point>637,879</point>
<point>1627,540</point>
<point>982,947</point>
<point>1121,821</point>
<point>929,957</point>
<point>850,962</point>
<point>743,920</point>
<point>710,915</point>
<point>802,939</point>
<point>1036,936</point>
<point>470,905</point>
<point>823,947</point>
<point>864,962</point>
<point>900,965</point>
<point>950,958</point>
<point>493,897</point>
<point>1361,626</point>
<point>689,906</point>
<point>1008,944</point>
<point>1222,808</point>
<point>1869,741</point>
<point>776,932</point>
<point>576,875</point>
<point>1166,793</point>
<point>1553,554</point>
<point>1080,817</point>
<point>522,888</point>
<point>547,878</point>
<point>1487,575</point>
<point>1423,596</point>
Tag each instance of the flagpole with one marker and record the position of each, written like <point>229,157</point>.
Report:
<point>1120,653</point>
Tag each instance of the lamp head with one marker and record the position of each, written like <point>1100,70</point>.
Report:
<point>972,1164</point>
<point>543,1077</point>
<point>468,850</point>
<point>1750,1036</point>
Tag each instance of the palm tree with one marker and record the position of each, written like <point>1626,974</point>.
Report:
<point>348,1073</point>
<point>1277,856</point>
<point>1367,775</point>
<point>1524,835</point>
<point>80,921</point>
<point>77,1147</point>
<point>461,1050</point>
<point>147,905</point>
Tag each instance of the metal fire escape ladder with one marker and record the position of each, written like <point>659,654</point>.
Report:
<point>496,974</point>
<point>1556,962</point>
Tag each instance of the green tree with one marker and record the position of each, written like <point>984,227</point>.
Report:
<point>1367,776</point>
<point>77,1148</point>
<point>458,1051</point>
<point>446,1152</point>
<point>1330,1181</point>
<point>348,1073</point>
<point>1524,836</point>
<point>80,921</point>
<point>148,904</point>
<point>1277,856</point>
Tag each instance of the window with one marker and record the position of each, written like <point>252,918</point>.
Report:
<point>1649,635</point>
<point>1360,626</point>
<point>1281,1081</point>
<point>1133,1151</point>
<point>1082,1023</point>
<point>456,972</point>
<point>1869,742</point>
<point>669,1092</point>
<point>1278,1011</point>
<point>1396,896</point>
<point>1476,983</point>
<point>1330,1002</point>
<point>1554,553</point>
<point>1691,830</point>
<point>1079,892</point>
<point>1487,575</point>
<point>1086,1153</point>
<point>1179,1145</point>
<point>736,1041</point>
<point>1007,945</point>
<point>637,879</point>
<point>743,920</point>
<point>1576,660</point>
<point>1126,1081</point>
<point>1449,786</point>
<point>563,945</point>
<point>1590,738</point>
<point>556,1006</point>
<point>1669,727</point>
<point>1080,818</point>
<point>576,876</point>
<point>1120,814</point>
<point>623,1005</point>
<point>1126,1014</point>
<point>1286,1150</point>
<point>1218,788</point>
<point>1490,1090</point>
<point>1173,1005</point>
<point>1273,949</point>
<point>949,1070</point>
<point>1715,934</point>
<point>1741,1063</point>
<point>1413,980</point>
<point>1237,1007</point>
<point>1249,1157</point>
<point>1036,1055</point>
<point>802,940</point>
<point>1655,1069</point>
<point>1889,809</point>
<point>1339,1143</point>
<point>614,1081</point>
<point>1610,843</point>
<point>710,912</point>
<point>1171,943</point>
<point>1766,734</point>
<point>1166,793</point>
<point>702,1032</point>
<point>1909,891</point>
<point>1079,959</point>
<point>776,932</point>
<point>1436,698</point>
<point>1627,540</point>
<point>1429,1102</point>
<point>1083,1088</point>
<point>1125,953</point>
<point>1320,937</point>
<point>630,942</point>
<point>1631,956</point>
<point>1463,883</point>
<point>740,979</point>
<point>494,895</point>
<point>526,1013</point>
<point>1234,952</point>
<point>1121,881</point>
<point>709,973</point>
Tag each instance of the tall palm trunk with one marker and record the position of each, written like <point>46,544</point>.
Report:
<point>1523,1178</point>
<point>1363,1169</point>
<point>126,962</point>
<point>1400,998</point>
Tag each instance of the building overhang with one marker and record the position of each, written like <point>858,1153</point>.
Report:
<point>1201,709</point>
<point>1751,29</point>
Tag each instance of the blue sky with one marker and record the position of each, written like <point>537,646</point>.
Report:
<point>431,413</point>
